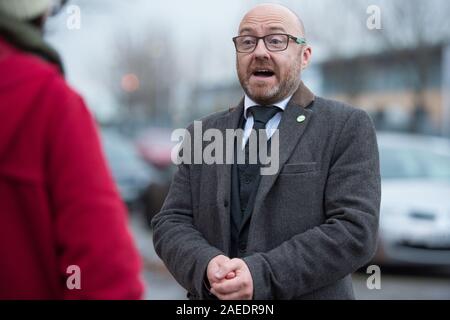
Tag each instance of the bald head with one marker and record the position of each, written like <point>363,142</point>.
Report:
<point>276,14</point>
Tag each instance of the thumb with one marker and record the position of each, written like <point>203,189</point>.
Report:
<point>225,268</point>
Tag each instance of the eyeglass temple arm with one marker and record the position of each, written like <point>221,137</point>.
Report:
<point>299,40</point>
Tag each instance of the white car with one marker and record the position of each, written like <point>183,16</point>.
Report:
<point>415,202</point>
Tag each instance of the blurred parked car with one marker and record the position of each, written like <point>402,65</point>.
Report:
<point>132,175</point>
<point>415,205</point>
<point>155,147</point>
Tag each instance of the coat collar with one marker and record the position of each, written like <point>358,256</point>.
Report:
<point>303,98</point>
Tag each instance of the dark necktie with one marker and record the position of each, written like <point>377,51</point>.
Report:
<point>249,173</point>
<point>261,115</point>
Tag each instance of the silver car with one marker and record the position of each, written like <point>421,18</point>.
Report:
<point>415,205</point>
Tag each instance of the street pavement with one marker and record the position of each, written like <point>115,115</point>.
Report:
<point>160,285</point>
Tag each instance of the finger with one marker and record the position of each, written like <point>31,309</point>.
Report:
<point>228,267</point>
<point>239,295</point>
<point>228,286</point>
<point>213,279</point>
<point>214,267</point>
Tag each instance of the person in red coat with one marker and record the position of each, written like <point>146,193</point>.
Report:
<point>63,227</point>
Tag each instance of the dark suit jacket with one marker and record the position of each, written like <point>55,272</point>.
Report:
<point>313,224</point>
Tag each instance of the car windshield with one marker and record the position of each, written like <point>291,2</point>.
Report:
<point>402,163</point>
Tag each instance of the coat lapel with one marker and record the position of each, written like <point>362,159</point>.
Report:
<point>290,133</point>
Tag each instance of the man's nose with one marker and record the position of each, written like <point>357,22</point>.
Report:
<point>261,50</point>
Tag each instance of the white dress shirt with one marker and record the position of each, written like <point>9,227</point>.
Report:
<point>271,125</point>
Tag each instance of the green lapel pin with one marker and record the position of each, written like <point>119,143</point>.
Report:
<point>301,118</point>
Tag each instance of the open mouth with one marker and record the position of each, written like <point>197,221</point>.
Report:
<point>263,73</point>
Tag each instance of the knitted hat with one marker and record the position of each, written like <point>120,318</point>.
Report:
<point>24,9</point>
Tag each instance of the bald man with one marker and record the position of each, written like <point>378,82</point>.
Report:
<point>227,231</point>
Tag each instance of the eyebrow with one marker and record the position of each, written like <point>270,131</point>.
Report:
<point>247,29</point>
<point>274,28</point>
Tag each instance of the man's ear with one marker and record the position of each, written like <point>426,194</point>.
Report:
<point>306,56</point>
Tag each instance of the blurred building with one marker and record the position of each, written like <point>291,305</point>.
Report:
<point>209,98</point>
<point>403,89</point>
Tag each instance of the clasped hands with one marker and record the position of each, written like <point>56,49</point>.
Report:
<point>230,279</point>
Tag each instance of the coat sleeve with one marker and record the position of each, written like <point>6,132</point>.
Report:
<point>180,245</point>
<point>347,239</point>
<point>90,219</point>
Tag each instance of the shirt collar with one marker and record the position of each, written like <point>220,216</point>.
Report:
<point>250,103</point>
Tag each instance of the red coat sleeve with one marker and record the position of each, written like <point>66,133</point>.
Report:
<point>90,219</point>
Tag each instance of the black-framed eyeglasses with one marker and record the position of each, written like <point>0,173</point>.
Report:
<point>273,42</point>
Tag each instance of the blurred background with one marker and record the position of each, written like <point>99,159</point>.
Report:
<point>147,67</point>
